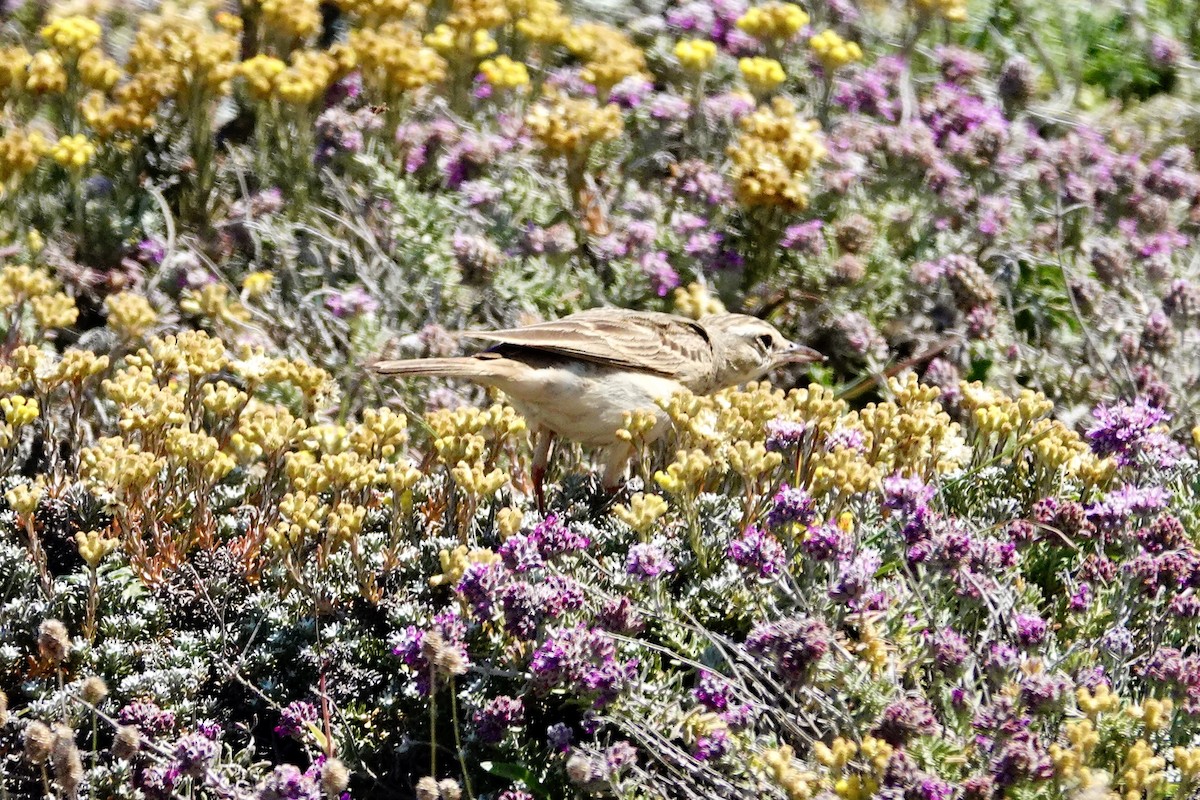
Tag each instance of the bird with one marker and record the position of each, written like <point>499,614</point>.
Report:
<point>578,377</point>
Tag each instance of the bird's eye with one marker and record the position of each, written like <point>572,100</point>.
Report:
<point>764,341</point>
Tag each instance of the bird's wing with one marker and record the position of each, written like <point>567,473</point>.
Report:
<point>639,340</point>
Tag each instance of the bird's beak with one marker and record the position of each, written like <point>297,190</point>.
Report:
<point>798,354</point>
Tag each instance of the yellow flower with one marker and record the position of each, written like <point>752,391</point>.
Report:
<point>46,74</point>
<point>773,156</point>
<point>762,75</point>
<point>73,152</point>
<point>642,512</point>
<point>696,55</point>
<point>504,73</point>
<point>832,51</point>
<point>24,498</point>
<point>949,10</point>
<point>72,35</point>
<point>94,546</point>
<point>695,301</point>
<point>773,21</point>
<point>569,126</point>
<point>256,284</point>
<point>54,311</point>
<point>260,72</point>
<point>129,314</point>
<point>98,71</point>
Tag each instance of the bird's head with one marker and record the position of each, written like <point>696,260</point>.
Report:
<point>747,348</point>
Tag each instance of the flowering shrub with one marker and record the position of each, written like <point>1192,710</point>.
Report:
<point>961,563</point>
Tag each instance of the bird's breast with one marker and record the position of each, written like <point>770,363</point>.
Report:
<point>587,403</point>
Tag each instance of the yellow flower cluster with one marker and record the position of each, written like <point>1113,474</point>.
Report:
<point>455,562</point>
<point>129,314</point>
<point>504,73</point>
<point>98,71</point>
<point>696,301</point>
<point>1096,702</point>
<point>773,21</point>
<point>949,10</point>
<point>643,511</point>
<point>469,441</point>
<point>19,154</point>
<point>609,56</point>
<point>539,21</point>
<point>14,61</point>
<point>569,127</point>
<point>54,311</point>
<point>799,784</point>
<point>1142,772</point>
<point>453,42</point>
<point>295,19</point>
<point>696,55</point>
<point>394,60</point>
<point>773,156</point>
<point>73,152</point>
<point>19,283</point>
<point>1001,423</point>
<point>726,432</point>
<point>832,51</point>
<point>72,36</point>
<point>18,412</point>
<point>762,75</point>
<point>47,75</point>
<point>185,59</point>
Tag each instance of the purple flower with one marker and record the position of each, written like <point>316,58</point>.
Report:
<point>194,753</point>
<point>905,720</point>
<point>1121,428</point>
<point>712,691</point>
<point>147,718</point>
<point>791,505</point>
<point>793,646</point>
<point>522,553</point>
<point>500,714</point>
<point>909,496</point>
<point>784,435</point>
<point>288,783</point>
<point>556,539</point>
<point>646,561</point>
<point>351,303</point>
<point>479,585</point>
<point>559,737</point>
<point>1030,629</point>
<point>758,553</point>
<point>711,745</point>
<point>950,650</point>
<point>295,718</point>
<point>855,576</point>
<point>583,661</point>
<point>824,542</point>
<point>805,238</point>
<point>655,266</point>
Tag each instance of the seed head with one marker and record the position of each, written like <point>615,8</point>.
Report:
<point>53,642</point>
<point>39,741</point>
<point>126,743</point>
<point>94,690</point>
<point>335,777</point>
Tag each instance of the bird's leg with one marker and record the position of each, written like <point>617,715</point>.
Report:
<point>616,460</point>
<point>543,440</point>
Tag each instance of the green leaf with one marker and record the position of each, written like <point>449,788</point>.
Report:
<point>517,772</point>
<point>979,369</point>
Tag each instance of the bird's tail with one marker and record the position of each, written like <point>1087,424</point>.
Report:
<point>462,367</point>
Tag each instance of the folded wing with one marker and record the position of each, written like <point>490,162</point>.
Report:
<point>663,344</point>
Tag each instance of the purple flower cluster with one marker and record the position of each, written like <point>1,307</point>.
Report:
<point>581,660</point>
<point>793,647</point>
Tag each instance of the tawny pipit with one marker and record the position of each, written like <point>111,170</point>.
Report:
<point>577,377</point>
